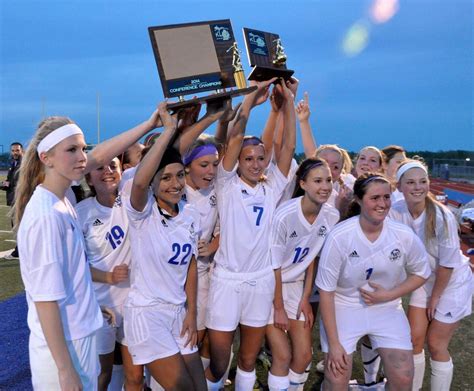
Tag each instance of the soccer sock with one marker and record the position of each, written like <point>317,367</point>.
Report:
<point>419,360</point>
<point>371,360</point>
<point>277,383</point>
<point>116,382</point>
<point>155,386</point>
<point>441,375</point>
<point>214,386</point>
<point>205,362</point>
<point>297,380</point>
<point>226,374</point>
<point>244,381</point>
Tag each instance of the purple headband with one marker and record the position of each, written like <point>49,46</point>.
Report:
<point>196,153</point>
<point>251,141</point>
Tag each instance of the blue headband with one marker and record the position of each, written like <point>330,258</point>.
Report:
<point>196,153</point>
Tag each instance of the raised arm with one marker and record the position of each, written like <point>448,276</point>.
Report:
<point>237,131</point>
<point>147,167</point>
<point>274,118</point>
<point>214,111</point>
<point>289,131</point>
<point>104,152</point>
<point>303,112</point>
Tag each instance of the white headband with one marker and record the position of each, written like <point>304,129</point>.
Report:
<point>403,169</point>
<point>56,136</point>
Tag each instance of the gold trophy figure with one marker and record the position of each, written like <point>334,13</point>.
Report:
<point>239,76</point>
<point>280,56</point>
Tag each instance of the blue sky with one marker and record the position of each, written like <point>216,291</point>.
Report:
<point>412,84</point>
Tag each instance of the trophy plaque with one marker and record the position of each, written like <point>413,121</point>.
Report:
<point>266,55</point>
<point>198,57</point>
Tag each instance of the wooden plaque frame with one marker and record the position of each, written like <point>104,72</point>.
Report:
<point>187,42</point>
<point>261,50</point>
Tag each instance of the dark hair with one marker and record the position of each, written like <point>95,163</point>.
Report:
<point>390,151</point>
<point>303,170</point>
<point>16,143</point>
<point>360,189</point>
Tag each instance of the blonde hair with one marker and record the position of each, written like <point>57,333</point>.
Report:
<point>31,172</point>
<point>431,207</point>
<point>345,158</point>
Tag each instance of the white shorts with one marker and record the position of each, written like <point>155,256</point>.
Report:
<point>44,372</point>
<point>244,298</point>
<point>154,332</point>
<point>455,302</point>
<point>292,293</point>
<point>204,279</point>
<point>108,334</point>
<point>386,327</point>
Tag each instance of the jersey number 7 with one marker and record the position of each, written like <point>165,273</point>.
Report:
<point>259,211</point>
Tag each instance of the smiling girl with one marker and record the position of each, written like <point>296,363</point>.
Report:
<point>369,159</point>
<point>160,313</point>
<point>242,282</point>
<point>367,264</point>
<point>435,309</point>
<point>298,232</point>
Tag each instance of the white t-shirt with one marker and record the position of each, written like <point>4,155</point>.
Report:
<point>349,180</point>
<point>349,260</point>
<point>162,249</point>
<point>290,186</point>
<point>444,249</point>
<point>245,217</point>
<point>54,266</point>
<point>396,196</point>
<point>107,244</point>
<point>294,241</point>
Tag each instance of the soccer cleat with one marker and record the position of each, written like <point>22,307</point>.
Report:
<point>10,257</point>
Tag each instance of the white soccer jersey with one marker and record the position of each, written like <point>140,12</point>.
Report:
<point>332,197</point>
<point>162,249</point>
<point>107,244</point>
<point>54,266</point>
<point>349,180</point>
<point>444,249</point>
<point>349,260</point>
<point>205,202</point>
<point>245,216</point>
<point>294,241</point>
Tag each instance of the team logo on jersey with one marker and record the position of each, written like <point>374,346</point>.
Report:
<point>395,254</point>
<point>449,315</point>
<point>322,231</point>
<point>97,222</point>
<point>354,254</point>
<point>118,201</point>
<point>192,233</point>
<point>293,235</point>
<point>184,198</point>
<point>243,191</point>
<point>165,224</point>
<point>213,200</point>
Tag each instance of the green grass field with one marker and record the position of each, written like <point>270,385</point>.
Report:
<point>462,345</point>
